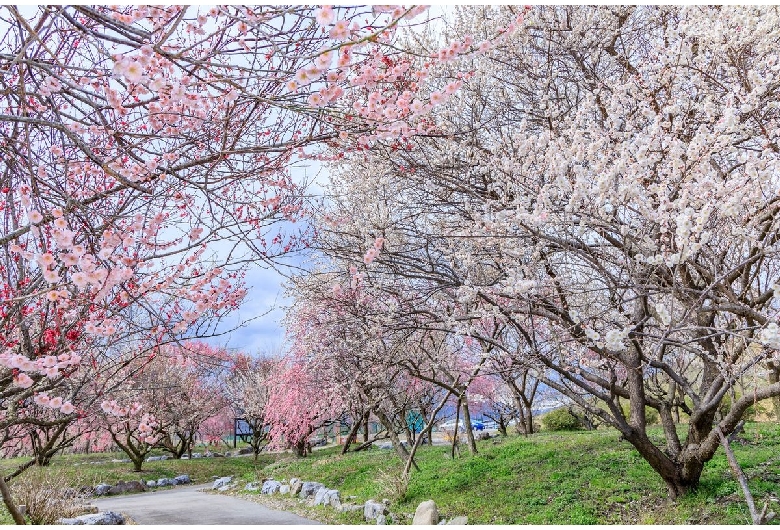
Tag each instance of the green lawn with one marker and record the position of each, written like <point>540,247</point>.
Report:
<point>548,478</point>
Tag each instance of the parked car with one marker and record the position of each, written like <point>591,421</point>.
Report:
<point>450,426</point>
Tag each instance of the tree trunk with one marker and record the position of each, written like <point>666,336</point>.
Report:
<point>469,431</point>
<point>456,435</point>
<point>9,502</point>
<point>352,436</point>
<point>400,450</point>
<point>300,448</point>
<point>501,427</point>
<point>758,518</point>
<point>774,377</point>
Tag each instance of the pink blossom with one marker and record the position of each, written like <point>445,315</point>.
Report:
<point>23,380</point>
<point>316,100</point>
<point>134,72</point>
<point>324,15</point>
<point>79,279</point>
<point>340,30</point>
<point>51,276</point>
<point>67,408</point>
<point>35,217</point>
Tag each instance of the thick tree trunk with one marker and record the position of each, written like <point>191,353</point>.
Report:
<point>137,463</point>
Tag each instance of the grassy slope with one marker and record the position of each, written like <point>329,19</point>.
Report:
<point>549,478</point>
<point>568,478</point>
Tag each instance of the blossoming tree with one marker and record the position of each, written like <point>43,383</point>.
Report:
<point>605,184</point>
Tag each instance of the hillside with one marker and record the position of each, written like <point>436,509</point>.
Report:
<point>550,478</point>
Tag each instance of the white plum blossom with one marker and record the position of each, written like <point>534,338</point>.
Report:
<point>614,339</point>
<point>770,335</point>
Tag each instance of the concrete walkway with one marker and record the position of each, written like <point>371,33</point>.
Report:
<point>187,505</point>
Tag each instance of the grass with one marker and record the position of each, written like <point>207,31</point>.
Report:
<point>81,470</point>
<point>551,478</point>
<point>548,478</point>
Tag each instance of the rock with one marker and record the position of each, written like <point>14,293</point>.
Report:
<point>327,497</point>
<point>151,483</point>
<point>154,458</point>
<point>197,455</point>
<point>133,486</point>
<point>246,451</point>
<point>426,513</point>
<point>385,445</point>
<point>309,489</point>
<point>484,435</point>
<point>223,488</point>
<point>373,509</point>
<point>185,457</point>
<point>252,486</point>
<point>460,520</point>
<point>381,520</point>
<point>270,487</point>
<point>96,518</point>
<point>351,507</point>
<point>227,454</point>
<point>284,489</point>
<point>334,499</point>
<point>221,482</point>
<point>295,486</point>
<point>442,522</point>
<point>165,482</point>
<point>102,489</point>
<point>182,479</point>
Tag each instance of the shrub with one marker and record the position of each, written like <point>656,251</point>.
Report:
<point>560,420</point>
<point>393,483</point>
<point>44,497</point>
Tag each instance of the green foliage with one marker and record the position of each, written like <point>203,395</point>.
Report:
<point>560,420</point>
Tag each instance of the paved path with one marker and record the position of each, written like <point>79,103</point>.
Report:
<point>186,505</point>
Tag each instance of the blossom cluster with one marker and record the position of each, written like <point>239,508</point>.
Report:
<point>49,366</point>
